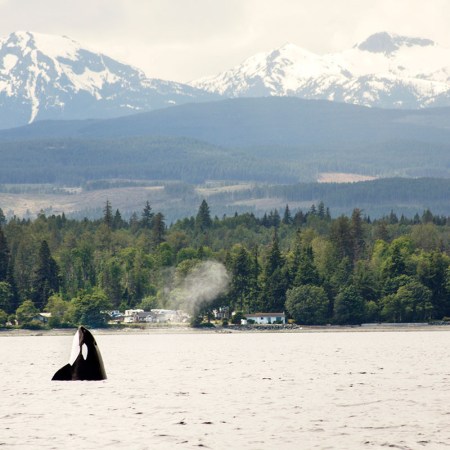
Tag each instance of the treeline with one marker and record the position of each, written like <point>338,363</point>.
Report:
<point>371,196</point>
<point>346,270</point>
<point>375,198</point>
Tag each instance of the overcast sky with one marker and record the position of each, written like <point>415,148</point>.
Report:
<point>185,39</point>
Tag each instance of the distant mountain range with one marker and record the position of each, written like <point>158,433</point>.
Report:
<point>277,139</point>
<point>74,117</point>
<point>386,70</point>
<point>51,77</point>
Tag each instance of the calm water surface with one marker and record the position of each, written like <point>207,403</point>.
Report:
<point>231,391</point>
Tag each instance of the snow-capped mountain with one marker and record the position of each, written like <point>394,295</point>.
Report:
<point>52,77</point>
<point>386,70</point>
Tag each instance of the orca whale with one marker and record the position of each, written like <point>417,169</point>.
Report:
<point>85,360</point>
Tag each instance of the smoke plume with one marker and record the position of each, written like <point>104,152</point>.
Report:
<point>203,284</point>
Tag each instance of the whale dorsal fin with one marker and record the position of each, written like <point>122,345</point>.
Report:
<point>63,374</point>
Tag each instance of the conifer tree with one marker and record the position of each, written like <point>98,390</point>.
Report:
<point>306,270</point>
<point>134,223</point>
<point>265,220</point>
<point>110,281</point>
<point>357,234</point>
<point>395,264</point>
<point>46,277</point>
<point>158,229</point>
<point>393,219</point>
<point>6,297</point>
<point>108,215</point>
<point>241,271</point>
<point>147,217</point>
<point>203,220</point>
<point>287,218</point>
<point>228,261</point>
<point>299,218</point>
<point>118,222</point>
<point>274,219</point>
<point>4,257</point>
<point>427,216</point>
<point>342,239</point>
<point>244,270</point>
<point>295,259</point>
<point>381,231</point>
<point>321,210</point>
<point>7,275</point>
<point>274,259</point>
<point>254,304</point>
<point>2,219</point>
<point>274,278</point>
<point>431,271</point>
<point>15,299</point>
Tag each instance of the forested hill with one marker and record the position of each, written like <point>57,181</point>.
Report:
<point>298,138</point>
<point>72,161</point>
<point>319,270</point>
<point>280,121</point>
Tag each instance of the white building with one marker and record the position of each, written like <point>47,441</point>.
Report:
<point>155,316</point>
<point>43,317</point>
<point>130,312</point>
<point>265,318</point>
<point>134,315</point>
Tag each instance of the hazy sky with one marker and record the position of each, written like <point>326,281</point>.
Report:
<point>186,39</point>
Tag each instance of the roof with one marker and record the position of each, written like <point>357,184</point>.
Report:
<point>164,311</point>
<point>275,314</point>
<point>142,314</point>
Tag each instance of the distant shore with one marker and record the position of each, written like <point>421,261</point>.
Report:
<point>171,329</point>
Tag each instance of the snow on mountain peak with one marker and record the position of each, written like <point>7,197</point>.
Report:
<point>385,70</point>
<point>388,43</point>
<point>18,39</point>
<point>277,72</point>
<point>50,45</point>
<point>57,46</point>
<point>47,76</point>
<point>41,69</point>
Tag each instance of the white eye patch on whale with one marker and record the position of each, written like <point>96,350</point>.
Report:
<point>85,361</point>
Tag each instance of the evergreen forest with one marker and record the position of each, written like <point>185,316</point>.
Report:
<point>320,270</point>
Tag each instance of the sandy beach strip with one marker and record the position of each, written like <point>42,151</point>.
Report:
<point>173,329</point>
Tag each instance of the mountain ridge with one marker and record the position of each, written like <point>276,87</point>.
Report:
<point>52,77</point>
<point>244,122</point>
<point>385,70</point>
<point>46,77</point>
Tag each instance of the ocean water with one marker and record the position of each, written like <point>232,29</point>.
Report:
<point>330,390</point>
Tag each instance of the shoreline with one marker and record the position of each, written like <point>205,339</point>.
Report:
<point>243,329</point>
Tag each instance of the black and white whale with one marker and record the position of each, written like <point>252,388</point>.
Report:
<point>85,360</point>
